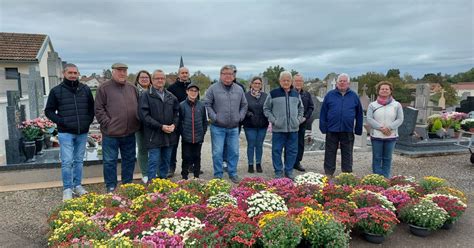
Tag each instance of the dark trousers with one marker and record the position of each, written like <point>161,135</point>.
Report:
<point>299,156</point>
<point>191,154</point>
<point>110,150</point>
<point>333,141</point>
<point>174,151</point>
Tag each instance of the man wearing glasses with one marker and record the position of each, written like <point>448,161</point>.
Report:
<point>226,106</point>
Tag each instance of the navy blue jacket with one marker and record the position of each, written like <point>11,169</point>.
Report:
<point>192,121</point>
<point>71,106</point>
<point>339,112</point>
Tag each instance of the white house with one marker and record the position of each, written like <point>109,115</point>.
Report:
<point>463,87</point>
<point>19,51</point>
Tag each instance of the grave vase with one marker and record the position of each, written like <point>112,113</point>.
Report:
<point>29,150</point>
<point>47,141</point>
<point>39,145</point>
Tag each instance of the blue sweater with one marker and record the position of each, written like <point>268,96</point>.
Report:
<point>339,112</point>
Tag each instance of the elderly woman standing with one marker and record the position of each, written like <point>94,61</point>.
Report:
<point>384,116</point>
<point>255,124</point>
<point>142,82</point>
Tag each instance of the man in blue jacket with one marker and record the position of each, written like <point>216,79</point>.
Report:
<point>340,108</point>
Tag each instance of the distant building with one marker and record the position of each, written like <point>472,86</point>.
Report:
<point>19,51</point>
<point>463,87</point>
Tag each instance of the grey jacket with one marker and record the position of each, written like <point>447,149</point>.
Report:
<point>226,105</point>
<point>284,110</point>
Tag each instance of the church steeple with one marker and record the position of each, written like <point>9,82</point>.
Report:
<point>181,63</point>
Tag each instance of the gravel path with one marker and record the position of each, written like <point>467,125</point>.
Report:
<point>24,213</point>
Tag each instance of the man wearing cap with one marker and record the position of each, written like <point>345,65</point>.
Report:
<point>159,111</point>
<point>193,127</point>
<point>226,105</point>
<point>116,106</point>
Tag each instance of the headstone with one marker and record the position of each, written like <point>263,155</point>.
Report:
<point>355,87</point>
<point>15,115</point>
<point>421,102</point>
<point>35,92</point>
<point>331,84</point>
<point>54,69</point>
<point>405,131</point>
<point>322,91</point>
<point>442,100</point>
<point>364,99</point>
<point>467,105</point>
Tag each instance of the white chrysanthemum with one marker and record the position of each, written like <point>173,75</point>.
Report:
<point>310,178</point>
<point>265,201</point>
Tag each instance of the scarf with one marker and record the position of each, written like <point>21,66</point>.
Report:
<point>384,102</point>
<point>255,93</point>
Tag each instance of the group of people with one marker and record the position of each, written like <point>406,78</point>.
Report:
<point>153,118</point>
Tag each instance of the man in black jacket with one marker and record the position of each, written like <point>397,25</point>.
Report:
<point>308,105</point>
<point>178,89</point>
<point>71,106</point>
<point>159,110</point>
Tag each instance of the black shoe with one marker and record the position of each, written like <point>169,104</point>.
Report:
<point>298,167</point>
<point>201,172</point>
<point>259,168</point>
<point>251,168</point>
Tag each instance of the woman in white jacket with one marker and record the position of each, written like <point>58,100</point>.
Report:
<point>384,116</point>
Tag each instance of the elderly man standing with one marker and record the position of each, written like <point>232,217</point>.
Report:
<point>178,89</point>
<point>341,107</point>
<point>226,106</point>
<point>116,106</point>
<point>284,110</point>
<point>159,111</point>
<point>308,105</point>
<point>71,106</point>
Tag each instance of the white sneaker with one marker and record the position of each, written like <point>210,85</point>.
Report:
<point>67,194</point>
<point>79,190</point>
<point>144,179</point>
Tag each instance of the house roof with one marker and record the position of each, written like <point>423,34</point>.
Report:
<point>463,86</point>
<point>21,47</point>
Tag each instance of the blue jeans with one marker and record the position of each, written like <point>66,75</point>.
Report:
<point>229,137</point>
<point>159,159</point>
<point>255,138</point>
<point>289,141</point>
<point>110,151</point>
<point>73,147</point>
<point>382,151</point>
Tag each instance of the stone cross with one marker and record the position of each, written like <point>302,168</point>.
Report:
<point>35,92</point>
<point>442,100</point>
<point>421,102</point>
<point>364,99</point>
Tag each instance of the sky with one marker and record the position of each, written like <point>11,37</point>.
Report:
<point>312,37</point>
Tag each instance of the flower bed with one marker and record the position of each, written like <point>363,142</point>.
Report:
<point>313,211</point>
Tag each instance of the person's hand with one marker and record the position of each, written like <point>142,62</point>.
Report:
<point>386,131</point>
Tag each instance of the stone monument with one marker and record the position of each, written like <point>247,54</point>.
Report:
<point>15,116</point>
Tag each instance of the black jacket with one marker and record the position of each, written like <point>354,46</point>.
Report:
<point>192,121</point>
<point>307,104</point>
<point>154,113</point>
<point>255,117</point>
<point>178,89</point>
<point>71,106</point>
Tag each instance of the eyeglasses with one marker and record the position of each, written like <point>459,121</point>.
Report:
<point>160,78</point>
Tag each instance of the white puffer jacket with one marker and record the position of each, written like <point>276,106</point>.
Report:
<point>390,115</point>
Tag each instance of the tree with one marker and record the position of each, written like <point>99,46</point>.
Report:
<point>272,74</point>
<point>107,74</point>
<point>463,77</point>
<point>131,78</point>
<point>393,73</point>
<point>370,79</point>
<point>201,80</point>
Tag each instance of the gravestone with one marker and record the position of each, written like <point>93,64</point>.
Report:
<point>422,101</point>
<point>54,69</point>
<point>405,131</point>
<point>35,92</point>
<point>355,87</point>
<point>442,100</point>
<point>330,84</point>
<point>467,105</point>
<point>15,116</point>
<point>364,99</point>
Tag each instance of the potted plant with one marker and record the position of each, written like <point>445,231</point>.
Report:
<point>280,231</point>
<point>375,223</point>
<point>29,132</point>
<point>435,127</point>
<point>453,206</point>
<point>423,217</point>
<point>468,125</point>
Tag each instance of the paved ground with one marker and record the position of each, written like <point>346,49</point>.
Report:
<point>23,213</point>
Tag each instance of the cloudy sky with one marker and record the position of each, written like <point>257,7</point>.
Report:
<point>312,37</point>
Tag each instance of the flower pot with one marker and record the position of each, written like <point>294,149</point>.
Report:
<point>419,231</point>
<point>374,238</point>
<point>29,150</point>
<point>433,136</point>
<point>447,225</point>
<point>39,145</point>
